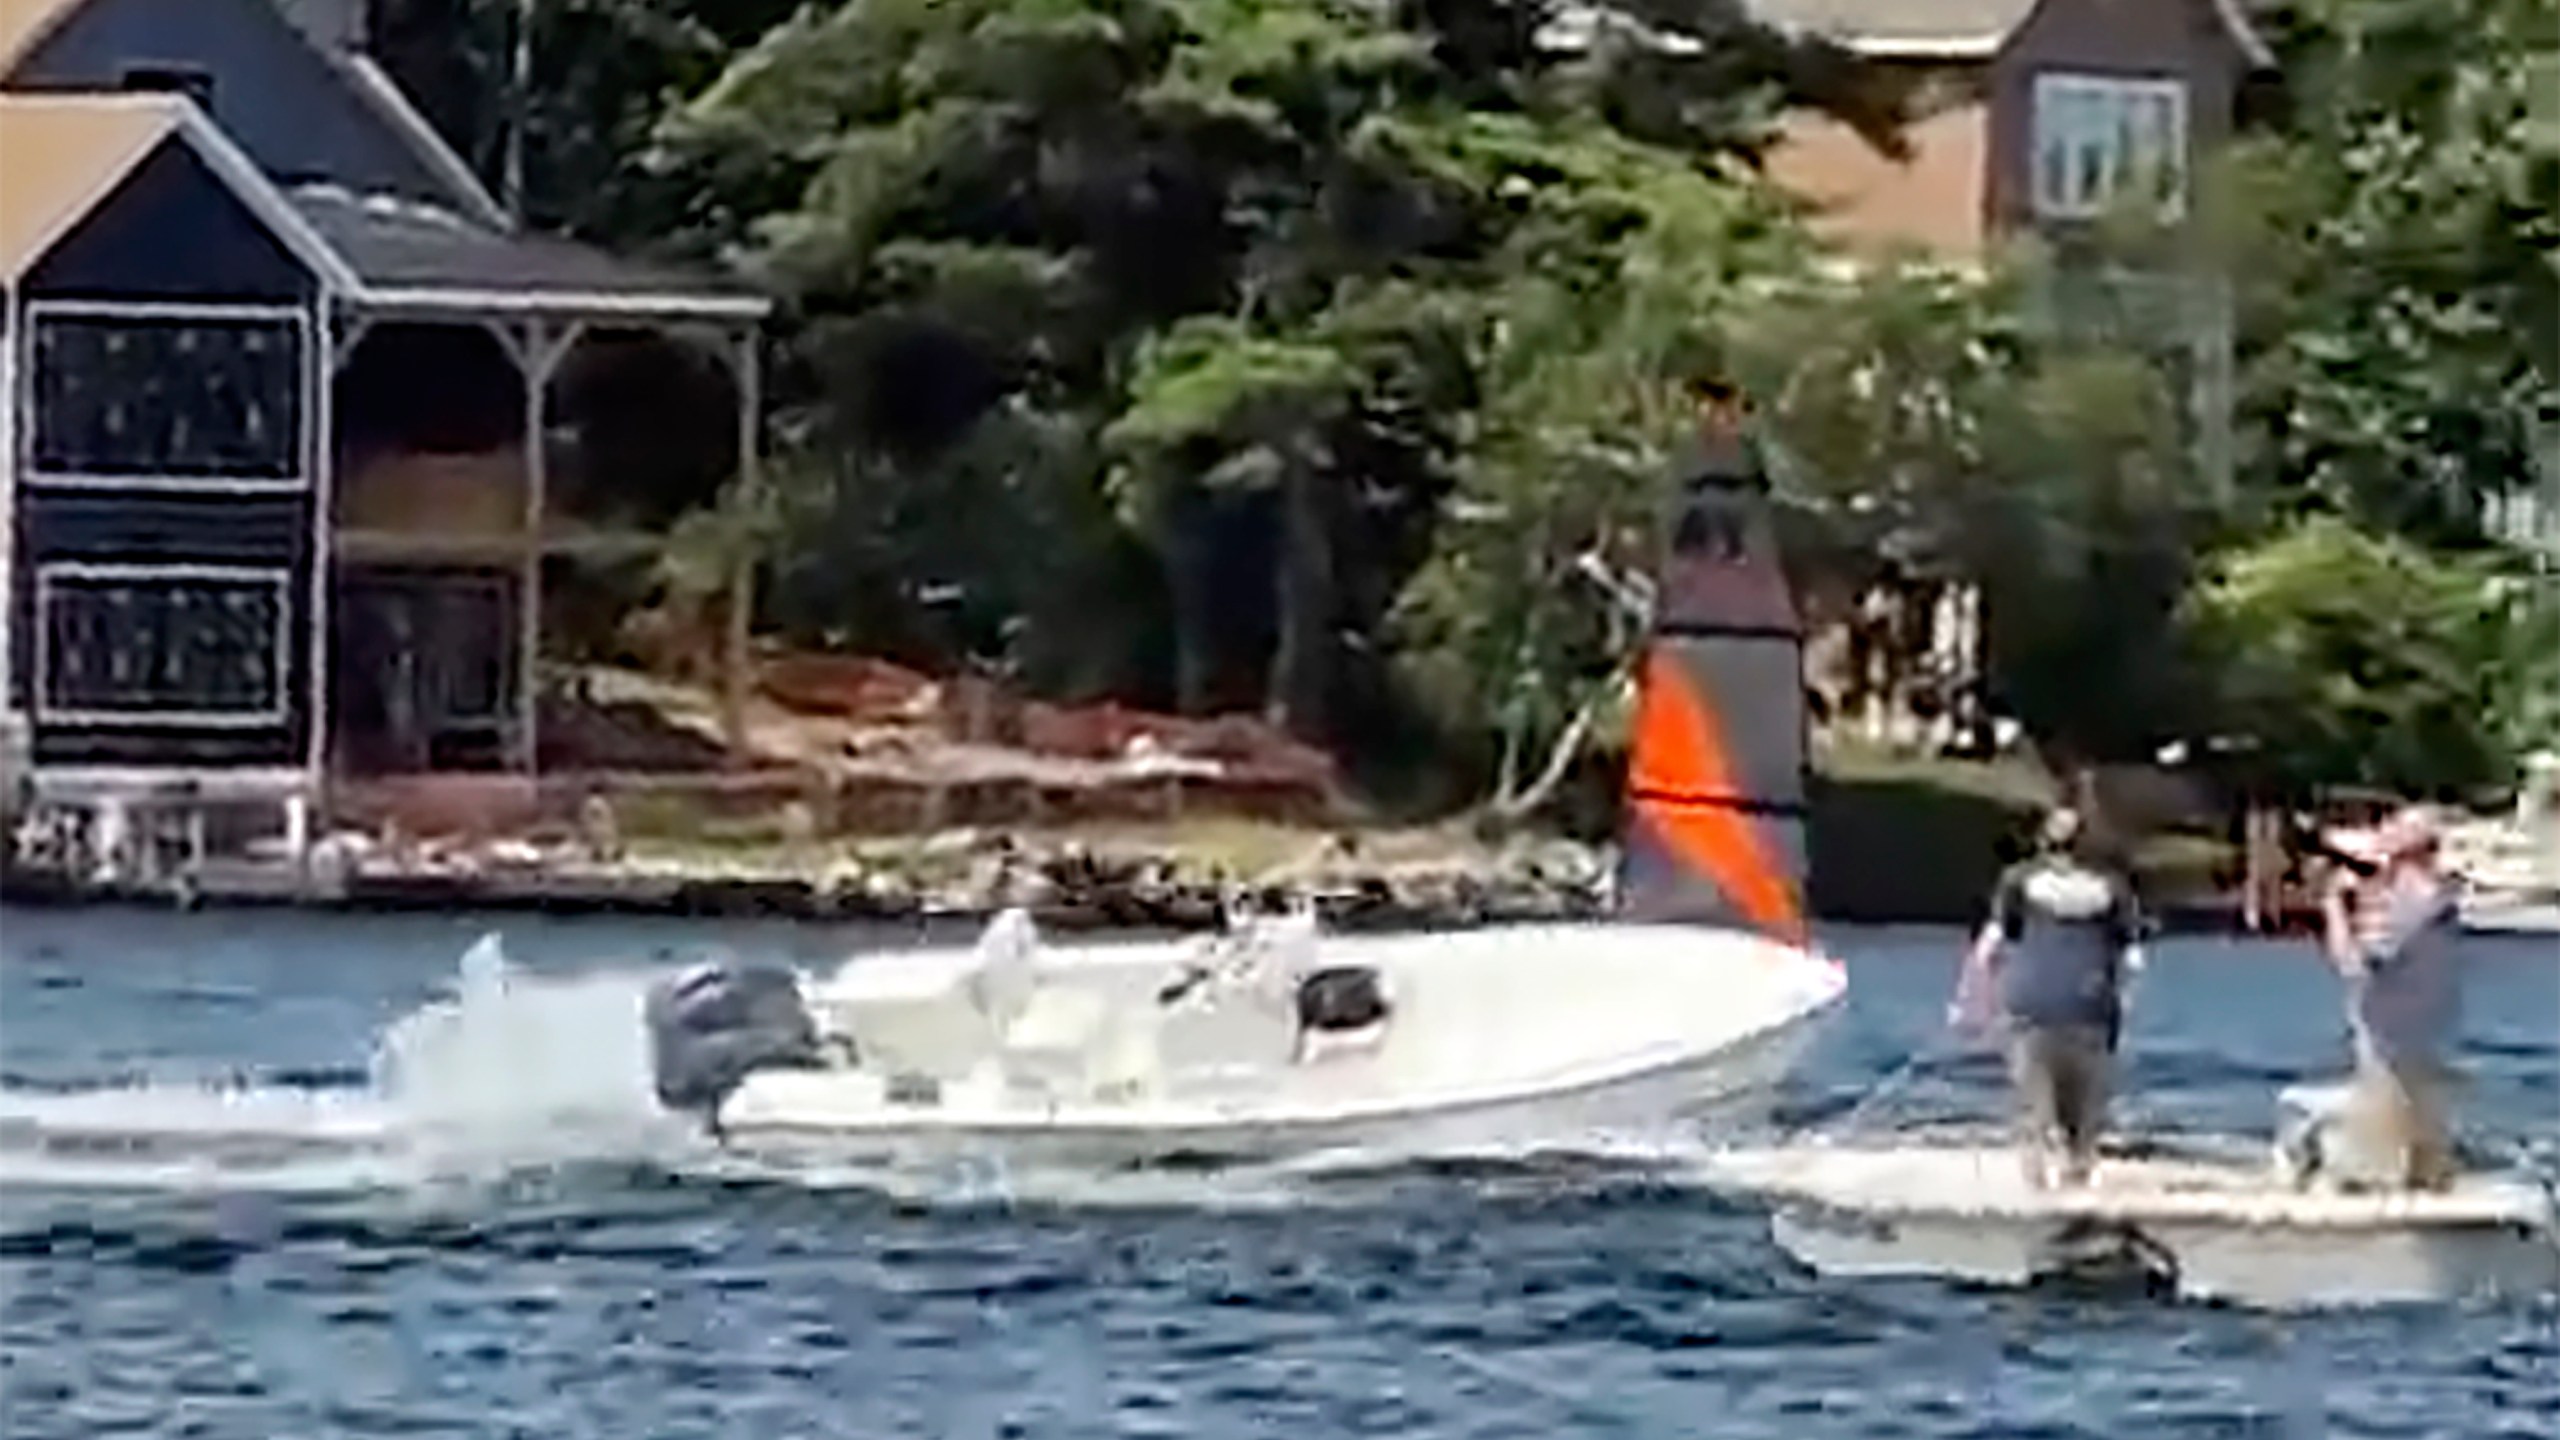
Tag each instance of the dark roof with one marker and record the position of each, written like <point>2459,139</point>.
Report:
<point>408,254</point>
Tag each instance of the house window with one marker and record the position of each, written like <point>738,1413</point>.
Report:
<point>197,645</point>
<point>2100,136</point>
<point>191,397</point>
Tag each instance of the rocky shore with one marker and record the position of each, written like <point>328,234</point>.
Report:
<point>1069,884</point>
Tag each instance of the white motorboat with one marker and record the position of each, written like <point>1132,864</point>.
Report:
<point>1281,1042</point>
<point>2510,912</point>
<point>1272,1044</point>
<point>2198,1220</point>
<point>2511,864</point>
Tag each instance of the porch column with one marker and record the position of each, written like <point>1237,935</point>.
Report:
<point>538,349</point>
<point>537,464</point>
<point>748,367</point>
<point>334,345</point>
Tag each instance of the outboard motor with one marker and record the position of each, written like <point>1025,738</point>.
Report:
<point>714,1025</point>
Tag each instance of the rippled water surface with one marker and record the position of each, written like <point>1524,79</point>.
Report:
<point>611,1292</point>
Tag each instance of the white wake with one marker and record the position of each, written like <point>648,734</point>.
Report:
<point>509,1072</point>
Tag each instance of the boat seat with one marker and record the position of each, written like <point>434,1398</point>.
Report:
<point>1006,975</point>
<point>1055,1043</point>
<point>921,1015</point>
<point>907,1015</point>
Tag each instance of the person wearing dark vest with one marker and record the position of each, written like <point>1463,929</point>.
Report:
<point>2052,960</point>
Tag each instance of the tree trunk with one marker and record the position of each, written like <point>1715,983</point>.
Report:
<point>1559,763</point>
<point>1301,668</point>
<point>1195,636</point>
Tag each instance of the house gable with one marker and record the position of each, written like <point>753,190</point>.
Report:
<point>2204,47</point>
<point>58,159</point>
<point>128,246</point>
<point>1951,30</point>
<point>302,114</point>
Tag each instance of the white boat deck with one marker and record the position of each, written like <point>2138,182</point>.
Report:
<point>1986,1181</point>
<point>2200,1225</point>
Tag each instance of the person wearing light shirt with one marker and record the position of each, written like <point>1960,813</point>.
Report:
<point>2392,934</point>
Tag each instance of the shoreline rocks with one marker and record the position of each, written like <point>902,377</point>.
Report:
<point>1068,887</point>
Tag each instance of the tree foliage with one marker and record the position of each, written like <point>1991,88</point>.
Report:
<point>1292,286</point>
<point>1322,356</point>
<point>1936,440</point>
<point>2351,658</point>
<point>2403,242</point>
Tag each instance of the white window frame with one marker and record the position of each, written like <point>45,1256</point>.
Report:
<point>35,313</point>
<point>40,707</point>
<point>2055,88</point>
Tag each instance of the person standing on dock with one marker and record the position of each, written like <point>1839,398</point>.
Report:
<point>2392,934</point>
<point>2052,957</point>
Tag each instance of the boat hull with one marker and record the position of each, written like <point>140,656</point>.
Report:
<point>1709,1093</point>
<point>2512,915</point>
<point>2259,1266</point>
<point>2200,1229</point>
<point>1537,1039</point>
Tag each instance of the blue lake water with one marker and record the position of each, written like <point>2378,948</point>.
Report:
<point>615,1298</point>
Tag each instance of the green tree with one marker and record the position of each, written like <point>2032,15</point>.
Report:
<point>2404,250</point>
<point>1929,432</point>
<point>1305,261</point>
<point>597,75</point>
<point>1586,358</point>
<point>2355,658</point>
<point>1092,296</point>
<point>705,576</point>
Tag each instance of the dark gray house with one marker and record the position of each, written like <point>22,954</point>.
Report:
<point>280,451</point>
